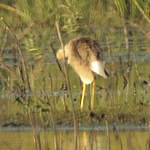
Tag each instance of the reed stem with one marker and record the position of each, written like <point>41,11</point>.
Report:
<point>68,87</point>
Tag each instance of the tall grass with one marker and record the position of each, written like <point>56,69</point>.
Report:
<point>27,35</point>
<point>32,25</point>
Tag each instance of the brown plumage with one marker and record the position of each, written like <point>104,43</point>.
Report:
<point>85,56</point>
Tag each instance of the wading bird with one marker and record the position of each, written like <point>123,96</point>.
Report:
<point>85,56</point>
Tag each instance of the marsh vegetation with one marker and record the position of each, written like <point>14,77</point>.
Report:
<point>33,87</point>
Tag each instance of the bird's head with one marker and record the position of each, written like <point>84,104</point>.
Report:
<point>61,54</point>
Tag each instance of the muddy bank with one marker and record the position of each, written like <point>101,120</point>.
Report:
<point>120,114</point>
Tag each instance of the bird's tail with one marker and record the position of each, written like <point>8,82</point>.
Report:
<point>99,68</point>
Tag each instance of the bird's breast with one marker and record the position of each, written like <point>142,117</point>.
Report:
<point>84,72</point>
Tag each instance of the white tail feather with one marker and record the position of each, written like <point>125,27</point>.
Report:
<point>98,67</point>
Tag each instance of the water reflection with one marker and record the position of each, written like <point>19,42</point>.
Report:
<point>87,140</point>
<point>90,140</point>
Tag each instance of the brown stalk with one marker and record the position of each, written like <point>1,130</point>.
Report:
<point>3,43</point>
<point>108,135</point>
<point>61,70</point>
<point>54,128</point>
<point>36,132</point>
<point>23,72</point>
<point>52,121</point>
<point>109,51</point>
<point>12,9</point>
<point>126,34</point>
<point>19,51</point>
<point>68,87</point>
<point>59,66</point>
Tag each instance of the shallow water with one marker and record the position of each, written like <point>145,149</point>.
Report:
<point>87,140</point>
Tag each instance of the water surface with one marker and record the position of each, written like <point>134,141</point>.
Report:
<point>87,140</point>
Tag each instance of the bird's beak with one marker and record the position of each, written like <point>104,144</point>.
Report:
<point>106,73</point>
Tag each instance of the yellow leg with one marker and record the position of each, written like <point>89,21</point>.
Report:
<point>93,94</point>
<point>83,95</point>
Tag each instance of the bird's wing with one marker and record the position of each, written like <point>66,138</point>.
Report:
<point>86,50</point>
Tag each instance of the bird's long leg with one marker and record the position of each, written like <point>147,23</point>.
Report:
<point>83,95</point>
<point>93,94</point>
